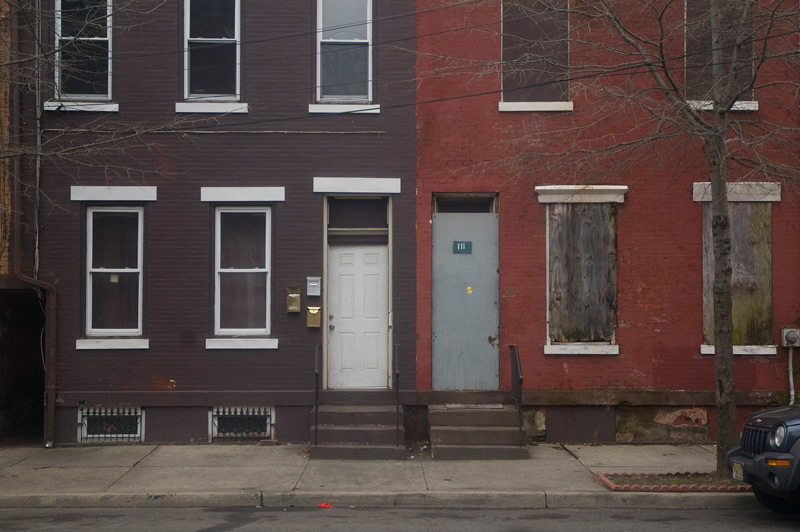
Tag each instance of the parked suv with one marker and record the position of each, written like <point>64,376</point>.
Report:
<point>768,457</point>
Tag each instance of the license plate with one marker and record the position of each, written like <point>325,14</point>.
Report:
<point>738,474</point>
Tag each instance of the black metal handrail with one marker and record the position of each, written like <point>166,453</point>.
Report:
<point>516,388</point>
<point>317,385</point>
<point>397,389</point>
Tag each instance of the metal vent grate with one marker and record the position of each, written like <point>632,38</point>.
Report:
<point>234,423</point>
<point>110,425</point>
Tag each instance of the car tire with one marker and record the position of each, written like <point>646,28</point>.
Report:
<point>778,504</point>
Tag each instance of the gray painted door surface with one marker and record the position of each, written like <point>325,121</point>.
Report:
<point>465,301</point>
<point>358,319</point>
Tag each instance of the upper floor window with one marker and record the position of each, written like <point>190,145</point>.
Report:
<point>735,49</point>
<point>83,49</point>
<point>535,51</point>
<point>242,267</point>
<point>114,271</point>
<point>212,38</point>
<point>344,50</point>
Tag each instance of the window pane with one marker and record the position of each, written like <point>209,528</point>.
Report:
<point>535,50</point>
<point>83,18</point>
<point>347,13</point>
<point>212,19</point>
<point>115,301</point>
<point>243,300</point>
<point>243,240</point>
<point>212,68</point>
<point>115,240</point>
<point>344,70</point>
<point>84,67</point>
<point>583,272</point>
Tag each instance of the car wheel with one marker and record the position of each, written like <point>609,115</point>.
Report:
<point>777,504</point>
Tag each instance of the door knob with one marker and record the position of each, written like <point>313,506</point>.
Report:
<point>331,326</point>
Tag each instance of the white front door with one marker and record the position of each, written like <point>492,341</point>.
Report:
<point>358,316</point>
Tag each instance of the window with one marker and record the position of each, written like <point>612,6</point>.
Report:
<point>344,50</point>
<point>750,208</point>
<point>114,271</point>
<point>535,53</point>
<point>212,49</point>
<point>242,292</point>
<point>83,49</point>
<point>582,268</point>
<point>736,49</point>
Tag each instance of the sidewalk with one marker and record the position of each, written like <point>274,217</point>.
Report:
<point>279,477</point>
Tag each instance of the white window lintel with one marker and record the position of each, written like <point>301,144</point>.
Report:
<point>242,194</point>
<point>115,193</point>
<point>754,191</point>
<point>582,193</point>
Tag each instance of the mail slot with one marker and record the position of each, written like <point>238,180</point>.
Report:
<point>293,299</point>
<point>313,317</point>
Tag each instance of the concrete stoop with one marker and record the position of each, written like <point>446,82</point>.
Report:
<point>357,433</point>
<point>476,432</point>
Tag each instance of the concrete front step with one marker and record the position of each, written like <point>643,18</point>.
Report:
<point>440,415</point>
<point>466,435</point>
<point>350,451</point>
<point>479,452</point>
<point>364,434</point>
<point>358,415</point>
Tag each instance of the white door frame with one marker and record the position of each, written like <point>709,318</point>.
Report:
<point>326,295</point>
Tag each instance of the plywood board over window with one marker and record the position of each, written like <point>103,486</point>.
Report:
<point>583,272</point>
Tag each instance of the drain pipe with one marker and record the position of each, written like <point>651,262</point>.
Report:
<point>49,289</point>
<point>791,375</point>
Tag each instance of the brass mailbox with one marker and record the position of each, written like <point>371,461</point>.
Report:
<point>293,299</point>
<point>313,317</point>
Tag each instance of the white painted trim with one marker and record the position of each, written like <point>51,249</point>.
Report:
<point>91,107</point>
<point>769,350</point>
<point>125,193</point>
<point>357,185</point>
<point>112,343</point>
<point>582,193</point>
<point>765,191</point>
<point>243,194</point>
<point>340,108</point>
<point>241,343</point>
<point>708,105</point>
<point>220,108</point>
<point>581,349</point>
<point>534,106</point>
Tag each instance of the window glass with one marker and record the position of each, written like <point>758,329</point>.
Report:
<point>84,67</point>
<point>212,19</point>
<point>83,48</point>
<point>344,70</point>
<point>212,48</point>
<point>115,300</point>
<point>344,59</point>
<point>341,18</point>
<point>83,18</point>
<point>212,68</point>
<point>243,304</point>
<point>243,240</point>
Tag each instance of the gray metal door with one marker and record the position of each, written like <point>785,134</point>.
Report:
<point>465,301</point>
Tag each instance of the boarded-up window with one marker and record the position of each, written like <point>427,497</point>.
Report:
<point>751,260</point>
<point>736,47</point>
<point>583,272</point>
<point>535,51</point>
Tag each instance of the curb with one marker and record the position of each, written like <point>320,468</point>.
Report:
<point>535,500</point>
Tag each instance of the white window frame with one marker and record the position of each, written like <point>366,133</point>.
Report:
<point>321,40</point>
<point>91,331</point>
<point>186,72</point>
<point>218,330</point>
<point>59,95</point>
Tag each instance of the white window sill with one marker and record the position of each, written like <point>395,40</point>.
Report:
<point>581,349</point>
<point>707,105</point>
<point>341,108</point>
<point>112,343</point>
<point>88,106</point>
<point>515,107</point>
<point>241,343</point>
<point>219,108</point>
<point>764,350</point>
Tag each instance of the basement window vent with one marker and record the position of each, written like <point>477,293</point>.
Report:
<point>237,423</point>
<point>110,424</point>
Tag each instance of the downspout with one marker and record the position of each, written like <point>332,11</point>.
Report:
<point>50,290</point>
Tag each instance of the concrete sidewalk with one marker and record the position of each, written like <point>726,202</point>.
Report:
<point>555,476</point>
